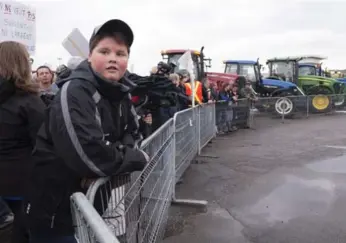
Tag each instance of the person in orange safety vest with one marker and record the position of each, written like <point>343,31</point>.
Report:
<point>200,94</point>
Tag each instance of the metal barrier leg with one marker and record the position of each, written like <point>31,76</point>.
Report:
<point>198,129</point>
<point>189,202</point>
<point>187,133</point>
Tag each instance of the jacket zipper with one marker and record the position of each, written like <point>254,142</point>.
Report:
<point>52,221</point>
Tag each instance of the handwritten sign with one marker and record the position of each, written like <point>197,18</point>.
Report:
<point>18,23</point>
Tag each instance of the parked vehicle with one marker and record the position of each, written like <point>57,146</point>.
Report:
<point>312,66</point>
<point>322,90</point>
<point>264,87</point>
<point>200,66</point>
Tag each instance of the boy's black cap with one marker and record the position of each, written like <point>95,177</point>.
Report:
<point>114,25</point>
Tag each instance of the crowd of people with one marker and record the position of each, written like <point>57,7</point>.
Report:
<point>83,121</point>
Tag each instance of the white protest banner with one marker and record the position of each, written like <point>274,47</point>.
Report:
<point>76,44</point>
<point>18,23</point>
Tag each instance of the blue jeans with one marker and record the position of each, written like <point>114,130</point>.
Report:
<point>53,239</point>
<point>229,118</point>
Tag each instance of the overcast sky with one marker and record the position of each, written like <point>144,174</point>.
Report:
<point>233,29</point>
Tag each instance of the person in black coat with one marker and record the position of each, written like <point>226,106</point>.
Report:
<point>90,131</point>
<point>21,115</point>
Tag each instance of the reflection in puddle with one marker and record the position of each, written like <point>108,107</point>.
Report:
<point>335,165</point>
<point>294,198</point>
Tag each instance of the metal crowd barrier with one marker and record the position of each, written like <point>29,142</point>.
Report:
<point>207,124</point>
<point>90,227</point>
<point>289,107</point>
<point>241,114</point>
<point>233,114</point>
<point>135,206</point>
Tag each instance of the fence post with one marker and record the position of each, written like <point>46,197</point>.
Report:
<point>307,106</point>
<point>174,156</point>
<point>186,202</point>
<point>198,119</point>
<point>282,115</point>
<point>214,119</point>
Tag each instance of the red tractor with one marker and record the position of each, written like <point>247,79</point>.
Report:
<point>200,65</point>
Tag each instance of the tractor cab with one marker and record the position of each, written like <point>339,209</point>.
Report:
<point>285,69</point>
<point>266,87</point>
<point>200,66</point>
<point>311,65</point>
<point>262,86</point>
<point>289,69</point>
<point>246,68</point>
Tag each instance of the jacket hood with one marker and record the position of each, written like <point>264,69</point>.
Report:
<point>111,90</point>
<point>7,89</point>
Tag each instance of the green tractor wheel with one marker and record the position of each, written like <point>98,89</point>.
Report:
<point>321,101</point>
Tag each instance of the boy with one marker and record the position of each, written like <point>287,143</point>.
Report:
<point>90,131</point>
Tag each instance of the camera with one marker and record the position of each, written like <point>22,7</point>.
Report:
<point>163,68</point>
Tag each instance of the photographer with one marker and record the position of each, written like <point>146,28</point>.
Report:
<point>163,69</point>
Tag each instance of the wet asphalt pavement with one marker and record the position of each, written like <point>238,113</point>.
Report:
<point>278,183</point>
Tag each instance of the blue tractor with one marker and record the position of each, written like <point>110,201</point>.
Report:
<point>285,92</point>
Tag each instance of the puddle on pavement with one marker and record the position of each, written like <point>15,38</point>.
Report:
<point>295,197</point>
<point>334,165</point>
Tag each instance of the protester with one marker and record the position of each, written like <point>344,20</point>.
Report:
<point>224,93</point>
<point>181,99</point>
<point>163,69</point>
<point>90,131</point>
<point>157,95</point>
<point>248,93</point>
<point>45,78</point>
<point>174,78</point>
<point>213,91</point>
<point>226,113</point>
<point>21,112</point>
<point>64,71</point>
<point>74,62</point>
<point>140,103</point>
<point>234,93</point>
<point>185,101</point>
<point>200,95</point>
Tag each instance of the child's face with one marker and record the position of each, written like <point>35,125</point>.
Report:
<point>109,58</point>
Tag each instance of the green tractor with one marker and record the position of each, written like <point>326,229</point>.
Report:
<point>326,93</point>
<point>312,66</point>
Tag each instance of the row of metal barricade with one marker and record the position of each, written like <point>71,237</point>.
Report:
<point>133,208</point>
<point>279,108</point>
